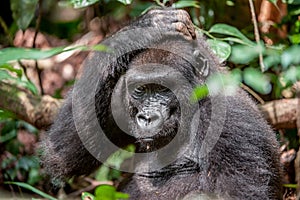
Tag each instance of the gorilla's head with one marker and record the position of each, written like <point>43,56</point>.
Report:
<point>149,93</point>
<point>154,110</point>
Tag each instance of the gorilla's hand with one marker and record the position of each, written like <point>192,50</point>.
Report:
<point>169,20</point>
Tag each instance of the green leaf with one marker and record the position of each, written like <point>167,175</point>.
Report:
<point>102,173</point>
<point>272,60</point>
<point>294,186</point>
<point>86,195</point>
<point>105,192</point>
<point>220,48</point>
<point>100,47</point>
<point>293,2</point>
<point>6,162</point>
<point>34,176</point>
<point>82,3</point>
<point>295,39</point>
<point>236,40</point>
<point>224,83</point>
<point>27,126</point>
<point>230,3</point>
<point>218,83</point>
<point>125,2</point>
<point>19,72</point>
<point>8,136</point>
<point>235,76</point>
<point>108,192</point>
<point>291,75</point>
<point>10,173</point>
<point>27,162</point>
<point>290,56</point>
<point>273,2</point>
<point>257,80</point>
<point>114,161</point>
<point>4,75</point>
<point>225,29</point>
<point>199,93</point>
<point>242,54</point>
<point>23,11</point>
<point>29,85</point>
<point>12,54</point>
<point>29,187</point>
<point>185,4</point>
<point>121,195</point>
<point>294,11</point>
<point>4,114</point>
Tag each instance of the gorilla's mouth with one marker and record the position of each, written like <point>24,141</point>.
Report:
<point>157,141</point>
<point>145,144</point>
<point>147,139</point>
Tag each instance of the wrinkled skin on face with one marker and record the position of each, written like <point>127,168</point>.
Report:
<point>154,109</point>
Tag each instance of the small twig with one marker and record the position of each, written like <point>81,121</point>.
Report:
<point>159,3</point>
<point>23,67</point>
<point>198,14</point>
<point>12,191</point>
<point>96,183</point>
<point>39,73</point>
<point>38,22</point>
<point>204,32</point>
<point>256,33</point>
<point>5,29</point>
<point>298,108</point>
<point>4,26</point>
<point>37,28</point>
<point>256,96</point>
<point>93,185</point>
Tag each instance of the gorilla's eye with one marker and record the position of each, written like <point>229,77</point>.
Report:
<point>139,91</point>
<point>162,89</point>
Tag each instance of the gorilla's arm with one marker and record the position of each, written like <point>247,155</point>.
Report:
<point>63,154</point>
<point>244,164</point>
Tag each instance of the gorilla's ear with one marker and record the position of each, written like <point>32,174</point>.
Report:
<point>120,104</point>
<point>202,63</point>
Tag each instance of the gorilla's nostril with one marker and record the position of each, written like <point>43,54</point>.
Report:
<point>143,118</point>
<point>149,120</point>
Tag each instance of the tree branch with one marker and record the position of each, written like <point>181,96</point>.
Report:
<point>282,114</point>
<point>256,34</point>
<point>36,110</point>
<point>41,111</point>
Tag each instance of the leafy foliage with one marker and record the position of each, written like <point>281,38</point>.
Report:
<point>13,165</point>
<point>14,54</point>
<point>186,4</point>
<point>23,12</point>
<point>228,30</point>
<point>29,187</point>
<point>17,77</point>
<point>234,47</point>
<point>110,171</point>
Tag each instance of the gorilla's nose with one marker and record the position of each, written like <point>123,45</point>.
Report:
<point>149,120</point>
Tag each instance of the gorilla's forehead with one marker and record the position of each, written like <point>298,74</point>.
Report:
<point>162,58</point>
<point>153,56</point>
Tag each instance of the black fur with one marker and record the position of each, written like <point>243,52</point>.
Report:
<point>244,163</point>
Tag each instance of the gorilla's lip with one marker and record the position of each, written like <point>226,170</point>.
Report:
<point>146,139</point>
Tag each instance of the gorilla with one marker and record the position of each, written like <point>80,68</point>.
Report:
<point>139,92</point>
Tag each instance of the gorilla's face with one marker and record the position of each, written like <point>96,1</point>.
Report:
<point>155,114</point>
<point>152,109</point>
<point>149,94</point>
